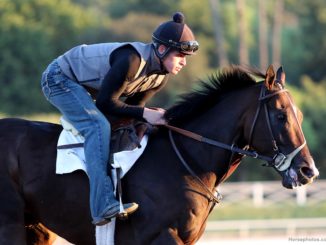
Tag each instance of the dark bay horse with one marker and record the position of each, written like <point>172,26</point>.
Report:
<point>232,110</point>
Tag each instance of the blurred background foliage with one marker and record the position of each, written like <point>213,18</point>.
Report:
<point>254,32</point>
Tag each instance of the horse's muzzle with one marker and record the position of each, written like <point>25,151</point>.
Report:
<point>301,174</point>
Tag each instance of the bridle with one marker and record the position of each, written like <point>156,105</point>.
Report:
<point>279,161</point>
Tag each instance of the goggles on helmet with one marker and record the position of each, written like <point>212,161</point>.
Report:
<point>187,46</point>
<point>184,46</point>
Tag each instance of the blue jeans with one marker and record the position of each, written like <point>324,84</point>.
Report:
<point>77,106</point>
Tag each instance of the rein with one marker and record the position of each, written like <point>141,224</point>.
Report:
<point>212,197</point>
<point>219,144</point>
<point>280,161</point>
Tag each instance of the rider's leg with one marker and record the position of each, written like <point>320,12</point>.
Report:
<point>78,108</point>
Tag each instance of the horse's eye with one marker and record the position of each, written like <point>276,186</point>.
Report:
<point>281,117</point>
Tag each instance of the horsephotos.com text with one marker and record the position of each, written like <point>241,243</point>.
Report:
<point>307,239</point>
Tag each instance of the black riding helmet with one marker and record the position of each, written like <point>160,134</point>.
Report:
<point>175,35</point>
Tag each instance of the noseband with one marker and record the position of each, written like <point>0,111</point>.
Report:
<point>279,161</point>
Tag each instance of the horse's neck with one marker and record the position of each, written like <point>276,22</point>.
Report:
<point>223,123</point>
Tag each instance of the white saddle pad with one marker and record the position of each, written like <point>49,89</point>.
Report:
<point>72,159</point>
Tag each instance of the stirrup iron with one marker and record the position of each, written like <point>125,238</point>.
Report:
<point>123,215</point>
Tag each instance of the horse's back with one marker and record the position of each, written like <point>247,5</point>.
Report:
<point>14,129</point>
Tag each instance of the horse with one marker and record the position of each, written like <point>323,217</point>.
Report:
<point>175,180</point>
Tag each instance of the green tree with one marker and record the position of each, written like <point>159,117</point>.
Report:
<point>32,33</point>
<point>306,44</point>
<point>314,109</point>
<point>118,9</point>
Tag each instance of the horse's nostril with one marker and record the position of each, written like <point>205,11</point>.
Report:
<point>307,172</point>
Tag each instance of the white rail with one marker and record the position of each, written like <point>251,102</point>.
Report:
<point>272,192</point>
<point>246,227</point>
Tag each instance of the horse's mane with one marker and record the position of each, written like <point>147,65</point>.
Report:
<point>209,92</point>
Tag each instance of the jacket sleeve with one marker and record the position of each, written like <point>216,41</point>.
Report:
<point>125,63</point>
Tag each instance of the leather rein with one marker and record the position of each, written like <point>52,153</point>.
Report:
<point>279,161</point>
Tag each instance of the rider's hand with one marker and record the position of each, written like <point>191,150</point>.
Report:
<point>154,116</point>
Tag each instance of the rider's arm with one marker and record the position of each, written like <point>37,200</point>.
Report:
<point>125,63</point>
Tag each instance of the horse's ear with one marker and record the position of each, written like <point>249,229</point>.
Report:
<point>280,76</point>
<point>270,77</point>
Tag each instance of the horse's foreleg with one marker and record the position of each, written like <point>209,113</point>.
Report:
<point>167,237</point>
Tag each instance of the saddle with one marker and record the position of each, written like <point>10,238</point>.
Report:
<point>126,134</point>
